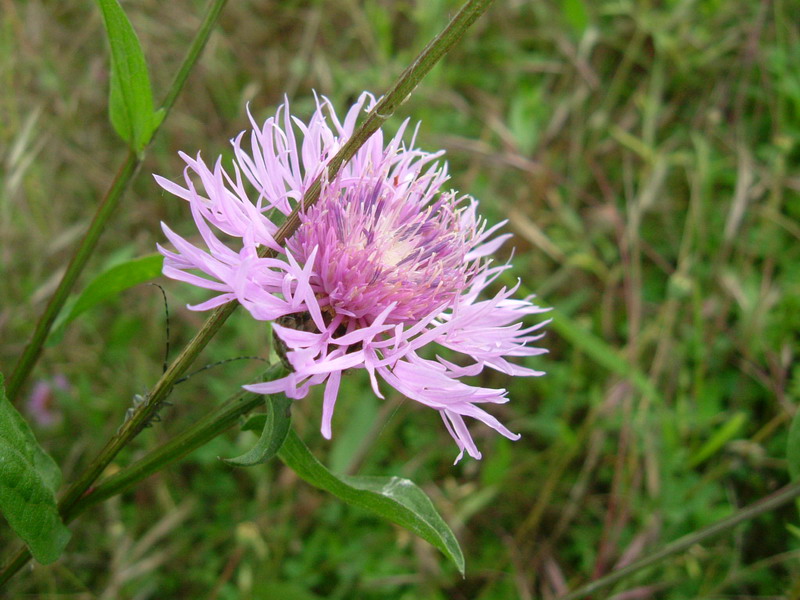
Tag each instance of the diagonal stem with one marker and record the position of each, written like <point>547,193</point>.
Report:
<point>110,200</point>
<point>204,430</point>
<point>397,94</point>
<point>382,111</point>
<point>391,101</point>
<point>771,502</point>
<point>207,428</point>
<point>33,349</point>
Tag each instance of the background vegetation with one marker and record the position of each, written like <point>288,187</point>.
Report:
<point>645,154</point>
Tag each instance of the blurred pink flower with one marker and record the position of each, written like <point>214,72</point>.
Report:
<point>42,400</point>
<point>386,263</point>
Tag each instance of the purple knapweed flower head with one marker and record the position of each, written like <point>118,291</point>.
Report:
<point>385,265</point>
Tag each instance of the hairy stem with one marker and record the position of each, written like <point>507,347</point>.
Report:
<point>384,109</point>
<point>771,502</point>
<point>394,97</point>
<point>207,428</point>
<point>78,261</point>
<point>111,199</point>
<point>201,432</point>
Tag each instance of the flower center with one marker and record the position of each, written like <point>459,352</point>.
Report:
<point>381,243</point>
<point>396,252</point>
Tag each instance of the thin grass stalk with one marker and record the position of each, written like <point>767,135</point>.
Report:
<point>385,108</point>
<point>109,203</point>
<point>766,504</point>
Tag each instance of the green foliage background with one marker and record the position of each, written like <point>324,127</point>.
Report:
<point>646,156</point>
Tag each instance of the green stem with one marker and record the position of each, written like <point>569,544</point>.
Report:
<point>192,55</point>
<point>76,264</point>
<point>221,419</point>
<point>396,95</point>
<point>110,201</point>
<point>771,502</point>
<point>204,430</point>
<point>180,365</point>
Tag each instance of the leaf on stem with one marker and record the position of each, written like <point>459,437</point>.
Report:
<point>395,499</point>
<point>274,426</point>
<point>28,482</point>
<point>107,285</point>
<point>130,97</point>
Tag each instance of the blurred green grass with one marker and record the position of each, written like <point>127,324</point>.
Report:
<point>645,154</point>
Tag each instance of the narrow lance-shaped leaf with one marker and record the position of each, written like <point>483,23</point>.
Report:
<point>110,284</point>
<point>274,426</point>
<point>28,482</point>
<point>130,97</point>
<point>395,499</point>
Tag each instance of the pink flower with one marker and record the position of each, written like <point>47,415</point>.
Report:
<point>43,400</point>
<point>385,264</point>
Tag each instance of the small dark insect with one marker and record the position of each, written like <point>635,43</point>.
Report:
<point>140,399</point>
<point>304,322</point>
<point>298,322</point>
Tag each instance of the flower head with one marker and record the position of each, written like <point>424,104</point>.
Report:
<point>386,263</point>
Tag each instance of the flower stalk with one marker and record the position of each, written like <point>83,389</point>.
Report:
<point>207,428</point>
<point>775,500</point>
<point>119,186</point>
<point>397,94</point>
<point>384,109</point>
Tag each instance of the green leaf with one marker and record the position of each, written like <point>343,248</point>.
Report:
<point>794,530</point>
<point>793,447</point>
<point>28,482</point>
<point>576,15</point>
<point>130,96</point>
<point>274,427</point>
<point>353,437</point>
<point>721,437</point>
<point>110,284</point>
<point>395,499</point>
<point>255,422</point>
<point>158,118</point>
